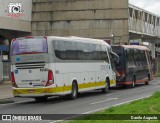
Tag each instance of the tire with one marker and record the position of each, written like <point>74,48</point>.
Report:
<point>149,79</point>
<point>147,83</point>
<point>41,99</point>
<point>74,92</point>
<point>133,82</point>
<point>106,88</point>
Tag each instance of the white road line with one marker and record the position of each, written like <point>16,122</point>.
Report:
<point>92,111</point>
<point>96,110</point>
<point>104,101</point>
<point>110,94</point>
<point>131,100</point>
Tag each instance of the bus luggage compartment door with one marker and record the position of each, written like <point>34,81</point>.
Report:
<point>31,75</point>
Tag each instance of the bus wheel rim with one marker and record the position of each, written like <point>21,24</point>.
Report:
<point>106,86</point>
<point>74,91</point>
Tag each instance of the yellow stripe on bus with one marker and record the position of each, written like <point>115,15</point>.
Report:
<point>112,82</point>
<point>58,89</point>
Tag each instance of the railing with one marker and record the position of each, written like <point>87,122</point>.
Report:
<point>144,22</point>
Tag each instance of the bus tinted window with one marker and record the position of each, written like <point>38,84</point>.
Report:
<point>27,46</point>
<point>59,49</point>
<point>130,54</point>
<point>69,51</point>
<point>104,54</point>
<point>66,50</point>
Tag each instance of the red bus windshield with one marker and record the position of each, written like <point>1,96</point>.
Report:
<point>29,46</point>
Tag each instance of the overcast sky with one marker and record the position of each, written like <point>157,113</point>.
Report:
<point>149,5</point>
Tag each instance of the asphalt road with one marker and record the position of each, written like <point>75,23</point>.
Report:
<point>86,103</point>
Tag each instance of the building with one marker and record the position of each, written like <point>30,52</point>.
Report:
<point>86,18</point>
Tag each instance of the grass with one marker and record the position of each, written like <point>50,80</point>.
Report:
<point>142,107</point>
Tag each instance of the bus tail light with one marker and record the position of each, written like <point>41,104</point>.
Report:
<point>13,80</point>
<point>50,78</point>
<point>123,74</point>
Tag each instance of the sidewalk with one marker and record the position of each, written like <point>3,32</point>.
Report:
<point>5,90</point>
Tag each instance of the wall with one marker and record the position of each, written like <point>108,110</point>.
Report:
<point>86,18</point>
<point>11,19</point>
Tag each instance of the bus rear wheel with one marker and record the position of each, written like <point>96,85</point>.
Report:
<point>106,88</point>
<point>133,82</point>
<point>147,82</point>
<point>74,92</point>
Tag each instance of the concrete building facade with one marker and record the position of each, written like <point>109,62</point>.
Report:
<point>15,18</point>
<point>104,19</point>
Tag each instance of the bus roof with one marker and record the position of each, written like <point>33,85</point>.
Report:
<point>135,47</point>
<point>75,38</point>
<point>90,39</point>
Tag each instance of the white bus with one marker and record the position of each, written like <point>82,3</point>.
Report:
<point>48,66</point>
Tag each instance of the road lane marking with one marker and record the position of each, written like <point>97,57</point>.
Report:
<point>92,111</point>
<point>104,101</point>
<point>96,110</point>
<point>110,94</point>
<point>131,100</point>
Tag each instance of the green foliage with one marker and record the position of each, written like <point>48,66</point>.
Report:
<point>145,106</point>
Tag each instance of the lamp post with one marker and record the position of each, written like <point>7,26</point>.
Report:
<point>112,39</point>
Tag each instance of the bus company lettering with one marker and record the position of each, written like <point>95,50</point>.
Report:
<point>33,58</point>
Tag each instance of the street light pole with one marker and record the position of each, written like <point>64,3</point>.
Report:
<point>112,38</point>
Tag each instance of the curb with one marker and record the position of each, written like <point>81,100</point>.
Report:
<point>6,82</point>
<point>6,100</point>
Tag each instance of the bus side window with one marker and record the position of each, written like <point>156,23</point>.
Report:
<point>104,53</point>
<point>112,61</point>
<point>69,51</point>
<point>97,53</point>
<point>130,53</point>
<point>78,50</point>
<point>59,49</point>
<point>126,54</point>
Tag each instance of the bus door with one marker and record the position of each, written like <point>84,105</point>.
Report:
<point>29,63</point>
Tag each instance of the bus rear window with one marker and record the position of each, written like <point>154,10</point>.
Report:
<point>29,46</point>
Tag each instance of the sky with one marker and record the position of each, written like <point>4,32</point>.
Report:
<point>152,6</point>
